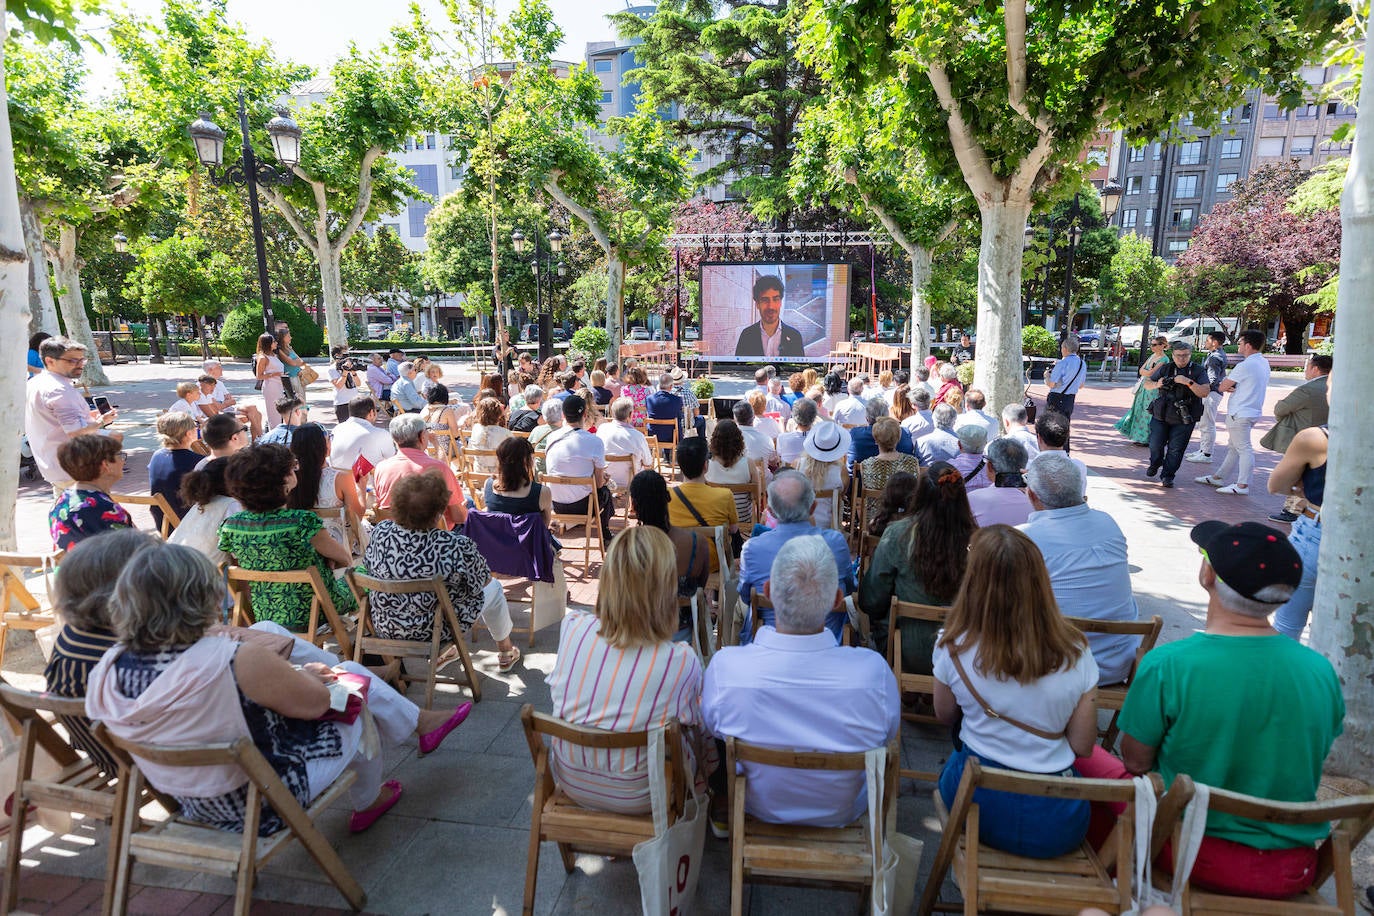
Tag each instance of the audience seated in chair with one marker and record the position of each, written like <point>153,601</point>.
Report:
<point>862,444</point>
<point>359,438</point>
<point>919,420</point>
<point>574,452</point>
<point>664,405</point>
<point>888,460</point>
<point>410,435</point>
<point>940,444</point>
<point>822,463</point>
<point>645,678</point>
<point>795,688</point>
<point>1052,435</point>
<point>176,459</point>
<point>757,445</point>
<point>920,559</point>
<point>320,486</point>
<point>525,419</point>
<point>851,411</point>
<point>1018,682</point>
<point>620,438</point>
<point>205,492</point>
<point>488,430</point>
<point>223,435</point>
<point>85,509</point>
<point>790,498</point>
<point>1085,551</point>
<point>552,412</point>
<point>171,680</point>
<point>695,503</point>
<point>1238,707</point>
<point>1004,502</point>
<point>413,544</point>
<point>789,444</point>
<point>971,463</point>
<point>649,494</point>
<point>1014,421</point>
<point>513,489</point>
<point>898,502</point>
<point>975,415</point>
<point>442,421</point>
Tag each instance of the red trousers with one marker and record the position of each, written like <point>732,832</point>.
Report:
<point>1224,866</point>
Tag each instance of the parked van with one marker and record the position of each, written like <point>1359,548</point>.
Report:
<point>1194,330</point>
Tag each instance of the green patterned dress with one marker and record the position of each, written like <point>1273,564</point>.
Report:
<point>1135,425</point>
<point>278,541</point>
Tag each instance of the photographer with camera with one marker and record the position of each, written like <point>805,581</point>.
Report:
<point>343,375</point>
<point>1182,386</point>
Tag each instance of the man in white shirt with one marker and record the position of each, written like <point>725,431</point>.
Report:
<point>922,382</point>
<point>345,383</point>
<point>940,444</point>
<point>794,688</point>
<point>922,421</point>
<point>774,399</point>
<point>54,411</point>
<point>217,399</point>
<point>975,415</point>
<point>789,446</point>
<point>850,412</point>
<point>620,438</point>
<point>757,446</point>
<point>1014,418</point>
<point>1085,553</point>
<point>1246,385</point>
<point>358,437</point>
<point>574,452</point>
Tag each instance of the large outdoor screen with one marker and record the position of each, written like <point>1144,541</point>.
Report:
<point>773,312</point>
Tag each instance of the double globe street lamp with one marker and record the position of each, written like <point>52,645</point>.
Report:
<point>248,172</point>
<point>555,239</point>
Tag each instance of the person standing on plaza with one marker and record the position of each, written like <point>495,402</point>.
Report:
<point>1066,378</point>
<point>269,371</point>
<point>344,382</point>
<point>1182,386</point>
<point>503,353</point>
<point>1215,366</point>
<point>1135,425</point>
<point>964,352</point>
<point>1301,409</point>
<point>1246,384</point>
<point>54,411</point>
<point>291,363</point>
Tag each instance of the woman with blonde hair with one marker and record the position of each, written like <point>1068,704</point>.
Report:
<point>1017,681</point>
<point>488,430</point>
<point>762,422</point>
<point>823,463</point>
<point>639,678</point>
<point>809,378</point>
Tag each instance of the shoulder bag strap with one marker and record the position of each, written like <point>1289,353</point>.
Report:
<point>677,491</point>
<point>994,714</point>
<point>971,474</point>
<point>1081,364</point>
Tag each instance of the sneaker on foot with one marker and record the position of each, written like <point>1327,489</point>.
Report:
<point>1210,480</point>
<point>1284,516</point>
<point>1234,489</point>
<point>1152,470</point>
<point>1199,457</point>
<point>1167,483</point>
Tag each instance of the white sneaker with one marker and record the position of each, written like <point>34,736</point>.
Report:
<point>1234,489</point>
<point>1199,457</point>
<point>1209,480</point>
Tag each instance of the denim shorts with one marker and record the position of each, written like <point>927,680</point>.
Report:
<point>1023,825</point>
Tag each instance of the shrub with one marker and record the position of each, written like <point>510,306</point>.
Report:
<point>242,327</point>
<point>1036,341</point>
<point>591,339</point>
<point>704,389</point>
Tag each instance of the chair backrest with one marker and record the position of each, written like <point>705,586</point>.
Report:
<point>473,458</point>
<point>750,490</point>
<point>170,519</point>
<point>593,504</point>
<point>831,495</point>
<point>352,525</point>
<point>519,434</point>
<point>364,586</point>
<point>537,725</point>
<point>14,585</point>
<point>476,484</point>
<point>240,580</point>
<point>672,425</point>
<point>1147,630</point>
<point>910,610</point>
<point>628,461</point>
<point>26,708</point>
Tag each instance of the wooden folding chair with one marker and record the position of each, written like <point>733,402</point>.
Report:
<point>591,520</point>
<point>178,843</point>
<point>724,582</point>
<point>995,881</point>
<point>475,483</point>
<point>473,459</point>
<point>923,684</point>
<point>759,602</point>
<point>665,451</point>
<point>396,651</point>
<point>240,582</point>
<point>1113,696</point>
<point>800,855</point>
<point>557,818</point>
<point>1351,820</point>
<point>832,496</point>
<point>353,529</point>
<point>82,785</point>
<point>629,462</point>
<point>19,607</point>
<point>755,511</point>
<point>519,434</point>
<point>170,519</point>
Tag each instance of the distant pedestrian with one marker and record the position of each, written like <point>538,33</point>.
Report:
<point>1066,378</point>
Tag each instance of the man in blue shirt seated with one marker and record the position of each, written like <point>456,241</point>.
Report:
<point>940,444</point>
<point>861,443</point>
<point>664,405</point>
<point>404,394</point>
<point>790,498</point>
<point>293,414</point>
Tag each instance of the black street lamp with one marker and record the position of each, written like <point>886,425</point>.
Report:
<point>545,314</point>
<point>121,247</point>
<point>248,172</point>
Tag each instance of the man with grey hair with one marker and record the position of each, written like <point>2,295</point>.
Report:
<point>664,405</point>
<point>975,414</point>
<point>971,461</point>
<point>921,421</point>
<point>621,438</point>
<point>1240,708</point>
<point>795,688</point>
<point>1066,378</point>
<point>1017,424</point>
<point>403,391</point>
<point>757,445</point>
<point>411,436</point>
<point>940,444</point>
<point>789,445</point>
<point>921,382</point>
<point>526,418</point>
<point>551,412</point>
<point>850,411</point>
<point>790,498</point>
<point>1085,554</point>
<point>1004,502</point>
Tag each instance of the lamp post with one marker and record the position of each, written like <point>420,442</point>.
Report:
<point>544,314</point>
<point>248,172</point>
<point>1069,226</point>
<point>121,246</point>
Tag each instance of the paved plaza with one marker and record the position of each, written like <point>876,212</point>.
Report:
<point>456,842</point>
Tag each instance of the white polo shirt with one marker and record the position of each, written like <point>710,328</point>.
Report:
<point>53,409</point>
<point>623,439</point>
<point>577,453</point>
<point>1251,376</point>
<point>180,406</point>
<point>354,437</point>
<point>852,411</point>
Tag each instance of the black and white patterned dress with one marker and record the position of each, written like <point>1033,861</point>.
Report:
<point>396,552</point>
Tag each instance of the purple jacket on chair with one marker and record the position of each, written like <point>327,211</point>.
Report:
<point>513,545</point>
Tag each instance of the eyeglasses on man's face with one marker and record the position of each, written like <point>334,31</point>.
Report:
<point>74,360</point>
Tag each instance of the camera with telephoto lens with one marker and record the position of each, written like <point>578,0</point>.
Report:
<point>350,364</point>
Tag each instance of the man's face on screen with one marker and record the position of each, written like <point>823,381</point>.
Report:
<point>769,304</point>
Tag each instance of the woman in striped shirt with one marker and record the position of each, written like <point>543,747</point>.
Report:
<point>619,670</point>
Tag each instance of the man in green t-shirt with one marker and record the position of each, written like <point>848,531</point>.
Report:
<point>1241,708</point>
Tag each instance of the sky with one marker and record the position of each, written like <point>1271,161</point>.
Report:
<point>316,32</point>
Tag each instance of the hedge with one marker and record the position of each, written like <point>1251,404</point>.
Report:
<point>243,326</point>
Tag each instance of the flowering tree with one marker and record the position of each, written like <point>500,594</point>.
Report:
<point>1283,256</point>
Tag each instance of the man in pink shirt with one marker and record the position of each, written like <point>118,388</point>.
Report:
<point>1005,502</point>
<point>409,433</point>
<point>55,411</point>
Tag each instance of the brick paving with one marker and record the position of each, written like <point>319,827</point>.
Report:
<point>58,895</point>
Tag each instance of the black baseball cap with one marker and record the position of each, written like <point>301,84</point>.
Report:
<point>1249,557</point>
<point>574,408</point>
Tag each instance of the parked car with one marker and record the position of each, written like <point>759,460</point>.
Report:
<point>1193,330</point>
<point>638,333</point>
<point>691,332</point>
<point>559,335</point>
<point>377,330</point>
<point>1091,337</point>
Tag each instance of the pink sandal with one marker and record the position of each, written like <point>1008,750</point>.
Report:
<point>361,820</point>
<point>430,741</point>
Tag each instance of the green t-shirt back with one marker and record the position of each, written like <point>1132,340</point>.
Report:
<point>1250,714</point>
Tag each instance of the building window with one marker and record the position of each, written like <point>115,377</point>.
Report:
<point>1306,112</point>
<point>1302,146</point>
<point>1137,154</point>
<point>1133,184</point>
<point>1150,217</point>
<point>1224,182</point>
<point>1097,156</point>
<point>1230,149</point>
<point>1156,150</point>
<point>429,141</point>
<point>1182,220</point>
<point>606,97</point>
<point>603,66</point>
<point>1186,186</point>
<point>1314,76</point>
<point>426,179</point>
<point>410,144</point>
<point>1128,218</point>
<point>455,172</point>
<point>1270,147</point>
<point>1247,111</point>
<point>1178,246</point>
<point>1154,184</point>
<point>1272,113</point>
<point>1190,153</point>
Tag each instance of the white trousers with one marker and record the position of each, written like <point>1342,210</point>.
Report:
<point>1207,426</point>
<point>495,611</point>
<point>1239,450</point>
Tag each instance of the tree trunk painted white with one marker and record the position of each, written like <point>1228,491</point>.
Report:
<point>41,304</point>
<point>67,268</point>
<point>14,318</point>
<point>498,313</point>
<point>1343,612</point>
<point>331,289</point>
<point>997,370</point>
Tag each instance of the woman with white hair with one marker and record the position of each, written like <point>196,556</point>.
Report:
<point>552,412</point>
<point>971,462</point>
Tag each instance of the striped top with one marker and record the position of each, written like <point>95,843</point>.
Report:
<point>74,654</point>
<point>597,685</point>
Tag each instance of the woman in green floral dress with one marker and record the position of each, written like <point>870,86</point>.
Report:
<point>1136,423</point>
<point>268,537</point>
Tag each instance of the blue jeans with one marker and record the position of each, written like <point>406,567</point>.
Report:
<point>1023,825</point>
<point>1168,441</point>
<point>1306,538</point>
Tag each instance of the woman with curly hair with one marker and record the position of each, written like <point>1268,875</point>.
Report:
<point>729,465</point>
<point>920,559</point>
<point>636,388</point>
<point>269,537</point>
<point>488,430</point>
<point>550,368</point>
<point>494,385</point>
